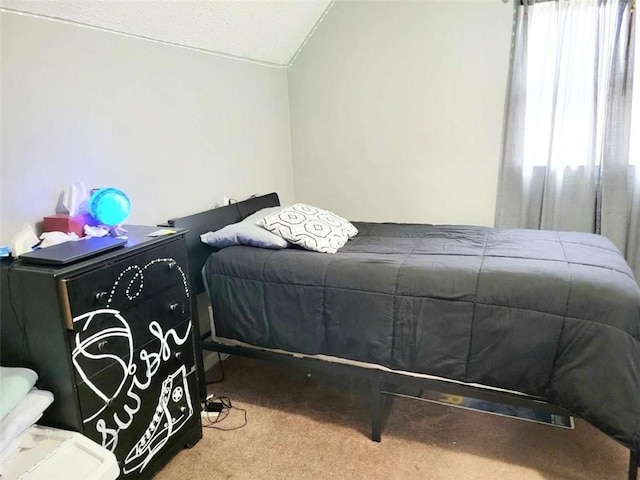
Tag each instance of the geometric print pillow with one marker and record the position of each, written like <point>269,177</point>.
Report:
<point>310,227</point>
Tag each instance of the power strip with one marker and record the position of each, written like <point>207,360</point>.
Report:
<point>209,415</point>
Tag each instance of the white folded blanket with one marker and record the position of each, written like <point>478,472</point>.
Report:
<point>15,383</point>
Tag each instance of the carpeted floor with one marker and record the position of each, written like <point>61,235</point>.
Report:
<point>316,426</point>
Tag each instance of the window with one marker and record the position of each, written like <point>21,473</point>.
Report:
<point>566,87</point>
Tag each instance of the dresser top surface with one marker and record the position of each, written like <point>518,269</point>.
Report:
<point>138,239</point>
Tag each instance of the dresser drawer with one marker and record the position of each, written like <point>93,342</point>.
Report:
<point>108,360</point>
<point>142,321</point>
<point>176,409</point>
<point>137,426</point>
<point>127,282</point>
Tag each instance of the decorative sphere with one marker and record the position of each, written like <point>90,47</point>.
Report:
<point>109,206</point>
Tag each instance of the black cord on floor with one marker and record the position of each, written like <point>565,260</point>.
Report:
<point>210,382</point>
<point>227,406</point>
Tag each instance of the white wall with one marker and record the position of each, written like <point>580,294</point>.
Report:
<point>397,107</point>
<point>175,129</point>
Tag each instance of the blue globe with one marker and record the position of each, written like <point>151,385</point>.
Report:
<point>109,206</point>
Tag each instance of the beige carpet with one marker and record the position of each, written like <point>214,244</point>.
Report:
<point>316,426</point>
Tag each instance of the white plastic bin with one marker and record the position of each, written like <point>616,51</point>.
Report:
<point>59,453</point>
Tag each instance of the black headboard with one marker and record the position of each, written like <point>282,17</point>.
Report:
<point>212,220</point>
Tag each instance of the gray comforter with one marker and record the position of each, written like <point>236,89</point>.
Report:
<point>550,314</point>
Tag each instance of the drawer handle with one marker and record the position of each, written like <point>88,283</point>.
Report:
<point>101,298</point>
<point>102,345</point>
<point>176,308</point>
<point>172,265</point>
<point>178,355</point>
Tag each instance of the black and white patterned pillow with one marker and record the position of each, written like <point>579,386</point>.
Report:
<point>310,227</point>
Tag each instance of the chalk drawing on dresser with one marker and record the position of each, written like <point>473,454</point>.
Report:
<point>105,339</point>
<point>173,410</point>
<point>101,348</point>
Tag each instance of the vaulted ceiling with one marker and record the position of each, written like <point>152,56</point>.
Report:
<point>264,31</point>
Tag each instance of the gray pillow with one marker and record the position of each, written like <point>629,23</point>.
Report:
<point>246,232</point>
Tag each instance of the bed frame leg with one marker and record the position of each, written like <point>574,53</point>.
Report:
<point>633,465</point>
<point>376,408</point>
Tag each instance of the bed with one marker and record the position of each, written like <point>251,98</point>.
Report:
<point>529,318</point>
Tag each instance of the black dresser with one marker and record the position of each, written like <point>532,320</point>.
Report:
<point>112,337</point>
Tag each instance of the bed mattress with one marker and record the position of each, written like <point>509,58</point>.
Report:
<point>555,315</point>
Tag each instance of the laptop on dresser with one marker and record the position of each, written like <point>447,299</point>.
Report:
<point>72,251</point>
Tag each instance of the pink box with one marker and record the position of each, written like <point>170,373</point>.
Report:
<point>64,223</point>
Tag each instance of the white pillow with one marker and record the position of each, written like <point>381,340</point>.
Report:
<point>246,232</point>
<point>310,227</point>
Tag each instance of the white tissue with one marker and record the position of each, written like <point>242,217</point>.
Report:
<point>97,231</point>
<point>74,199</point>
<point>53,238</point>
<point>24,240</point>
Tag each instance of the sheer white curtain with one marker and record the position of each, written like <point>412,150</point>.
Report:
<point>566,162</point>
<point>633,240</point>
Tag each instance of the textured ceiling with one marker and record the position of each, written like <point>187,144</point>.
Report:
<point>265,31</point>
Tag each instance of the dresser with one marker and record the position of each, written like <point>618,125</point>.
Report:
<point>112,337</point>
